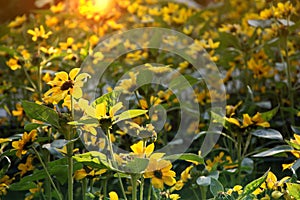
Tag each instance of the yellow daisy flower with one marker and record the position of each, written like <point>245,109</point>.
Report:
<point>160,173</point>
<point>26,140</point>
<point>65,84</point>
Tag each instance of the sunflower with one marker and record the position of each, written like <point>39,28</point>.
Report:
<point>160,172</point>
<point>65,84</point>
<point>27,139</point>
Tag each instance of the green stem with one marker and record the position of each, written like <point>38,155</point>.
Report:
<point>149,191</point>
<point>48,181</point>
<point>290,84</point>
<point>115,163</point>
<point>142,188</point>
<point>195,194</point>
<point>239,156</point>
<point>105,187</point>
<point>203,192</point>
<point>84,188</point>
<point>247,144</point>
<point>47,172</point>
<point>134,178</point>
<point>70,147</point>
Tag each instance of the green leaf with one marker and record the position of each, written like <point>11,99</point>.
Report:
<point>267,133</point>
<point>247,165</point>
<point>294,189</point>
<point>137,166</point>
<point>267,116</point>
<point>110,98</point>
<point>7,50</point>
<point>219,119</point>
<point>93,158</point>
<point>190,157</point>
<point>129,114</point>
<point>20,186</point>
<point>5,164</point>
<point>84,121</point>
<point>294,145</point>
<point>216,187</point>
<point>31,126</point>
<point>274,151</point>
<point>250,187</point>
<point>41,113</point>
<point>296,129</point>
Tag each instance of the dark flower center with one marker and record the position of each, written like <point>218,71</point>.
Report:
<point>67,85</point>
<point>158,174</point>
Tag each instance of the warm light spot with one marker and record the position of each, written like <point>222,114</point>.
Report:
<point>102,5</point>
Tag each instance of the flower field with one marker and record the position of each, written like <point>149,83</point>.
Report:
<point>150,99</point>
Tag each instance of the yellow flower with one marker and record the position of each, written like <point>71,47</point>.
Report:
<point>147,131</point>
<point>271,182</point>
<point>257,191</point>
<point>287,166</point>
<point>26,167</point>
<point>5,181</point>
<point>58,8</point>
<point>19,112</point>
<point>3,140</point>
<point>102,112</point>
<point>160,173</point>
<point>113,195</point>
<point>188,29</point>
<point>296,153</point>
<point>37,189</point>
<point>238,189</point>
<point>185,175</point>
<point>127,85</point>
<point>141,151</point>
<point>19,20</point>
<point>174,196</point>
<point>26,140</point>
<point>88,172</point>
<point>297,139</point>
<point>13,63</point>
<point>69,44</point>
<point>255,120</point>
<point>65,84</point>
<point>39,33</point>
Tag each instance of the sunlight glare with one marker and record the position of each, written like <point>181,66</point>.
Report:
<point>102,5</point>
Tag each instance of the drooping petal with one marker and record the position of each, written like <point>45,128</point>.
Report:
<point>157,183</point>
<point>77,92</point>
<point>168,180</point>
<point>73,73</point>
<point>246,120</point>
<point>233,121</point>
<point>82,76</point>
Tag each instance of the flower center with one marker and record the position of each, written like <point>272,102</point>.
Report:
<point>158,174</point>
<point>67,85</point>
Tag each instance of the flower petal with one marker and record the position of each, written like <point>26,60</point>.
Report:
<point>62,76</point>
<point>73,73</point>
